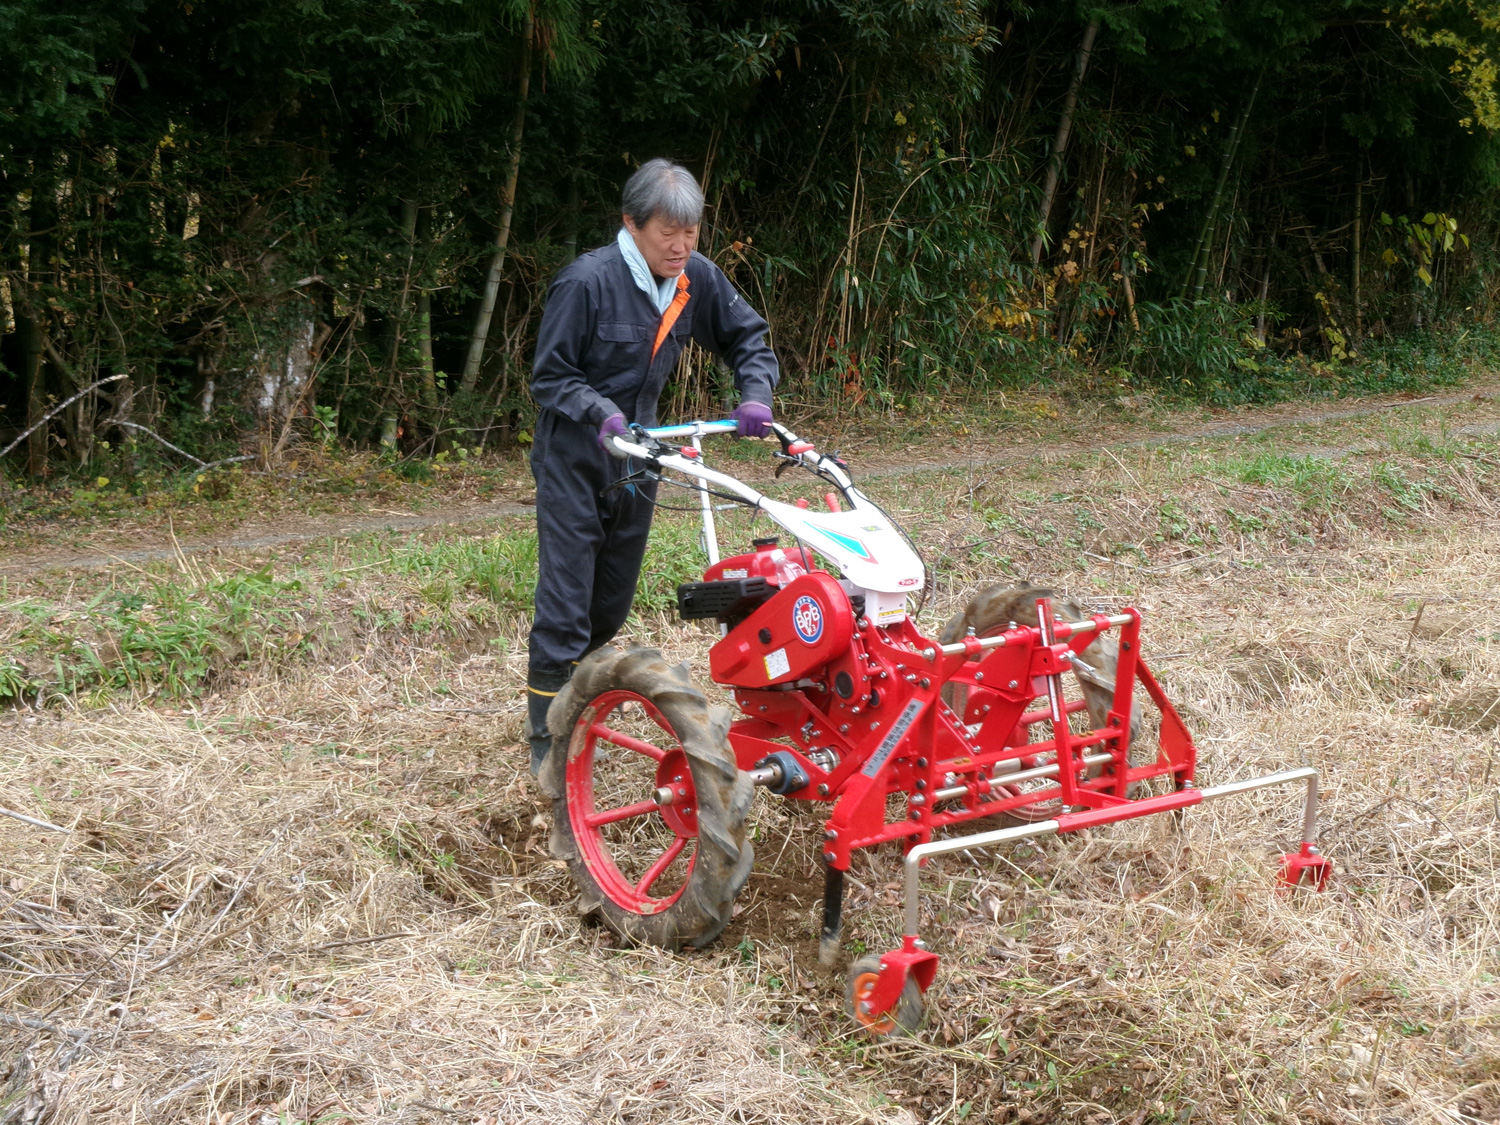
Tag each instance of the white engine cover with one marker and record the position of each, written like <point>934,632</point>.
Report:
<point>862,543</point>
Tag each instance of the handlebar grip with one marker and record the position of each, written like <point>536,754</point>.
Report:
<point>688,429</point>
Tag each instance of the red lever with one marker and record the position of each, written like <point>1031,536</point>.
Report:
<point>798,447</point>
<point>689,452</point>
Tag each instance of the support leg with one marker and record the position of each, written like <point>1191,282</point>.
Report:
<point>1308,865</point>
<point>829,939</point>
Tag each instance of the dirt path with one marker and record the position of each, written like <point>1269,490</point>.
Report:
<point>260,535</point>
<point>1285,415</point>
<point>263,535</point>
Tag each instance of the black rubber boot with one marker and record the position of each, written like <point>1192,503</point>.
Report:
<point>541,689</point>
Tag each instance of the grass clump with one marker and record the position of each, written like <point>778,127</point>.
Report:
<point>1317,480</point>
<point>164,636</point>
<point>502,567</point>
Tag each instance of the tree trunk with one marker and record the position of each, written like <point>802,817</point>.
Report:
<point>395,396</point>
<point>1203,252</point>
<point>570,235</point>
<point>1359,219</point>
<point>1060,142</point>
<point>1265,289</point>
<point>42,220</point>
<point>32,328</point>
<point>507,209</point>
<point>427,373</point>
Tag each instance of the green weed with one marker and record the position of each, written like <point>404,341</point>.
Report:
<point>1318,480</point>
<point>15,683</point>
<point>165,636</point>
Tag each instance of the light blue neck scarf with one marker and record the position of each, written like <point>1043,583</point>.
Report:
<point>660,292</point>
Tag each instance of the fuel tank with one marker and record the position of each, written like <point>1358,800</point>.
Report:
<point>760,561</point>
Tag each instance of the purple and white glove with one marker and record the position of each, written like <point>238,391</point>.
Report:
<point>613,426</point>
<point>754,419</point>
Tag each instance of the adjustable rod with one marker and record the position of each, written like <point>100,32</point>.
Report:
<point>915,857</point>
<point>1285,777</point>
<point>1062,631</point>
<point>1032,774</point>
<point>917,854</point>
<point>765,775</point>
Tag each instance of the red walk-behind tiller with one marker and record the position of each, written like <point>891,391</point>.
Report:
<point>1022,714</point>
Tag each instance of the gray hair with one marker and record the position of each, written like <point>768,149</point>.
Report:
<point>660,187</point>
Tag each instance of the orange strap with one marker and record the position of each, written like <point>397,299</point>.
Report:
<point>669,317</point>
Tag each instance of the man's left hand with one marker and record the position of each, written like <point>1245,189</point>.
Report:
<point>753,418</point>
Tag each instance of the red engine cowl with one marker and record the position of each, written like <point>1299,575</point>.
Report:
<point>758,562</point>
<point>793,635</point>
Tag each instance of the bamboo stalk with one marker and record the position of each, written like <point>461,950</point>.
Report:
<point>486,312</point>
<point>1060,142</point>
<point>1198,274</point>
<point>1359,201</point>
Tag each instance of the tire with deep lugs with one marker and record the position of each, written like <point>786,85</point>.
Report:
<point>649,805</point>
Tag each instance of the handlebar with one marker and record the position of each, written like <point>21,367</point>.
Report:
<point>688,429</point>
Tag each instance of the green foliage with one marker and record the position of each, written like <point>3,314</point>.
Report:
<point>15,683</point>
<point>502,567</point>
<point>1318,480</point>
<point>167,636</point>
<point>1201,349</point>
<point>206,197</point>
<point>1470,29</point>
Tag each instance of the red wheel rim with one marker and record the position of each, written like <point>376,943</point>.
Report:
<point>864,985</point>
<point>639,853</point>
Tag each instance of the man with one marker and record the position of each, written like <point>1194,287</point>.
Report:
<point>616,320</point>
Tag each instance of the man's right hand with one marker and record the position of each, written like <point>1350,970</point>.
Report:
<point>613,426</point>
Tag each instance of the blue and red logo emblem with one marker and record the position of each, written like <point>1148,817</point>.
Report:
<point>807,619</point>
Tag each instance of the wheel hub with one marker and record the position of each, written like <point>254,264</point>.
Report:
<point>681,812</point>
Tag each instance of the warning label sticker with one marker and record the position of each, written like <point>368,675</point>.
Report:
<point>777,664</point>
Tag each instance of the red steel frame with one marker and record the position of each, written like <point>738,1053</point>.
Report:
<point>912,742</point>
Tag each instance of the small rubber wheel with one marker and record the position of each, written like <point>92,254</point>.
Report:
<point>904,1019</point>
<point>651,810</point>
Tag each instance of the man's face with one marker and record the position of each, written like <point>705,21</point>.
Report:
<point>664,246</point>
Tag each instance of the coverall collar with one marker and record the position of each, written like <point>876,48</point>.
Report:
<point>659,293</point>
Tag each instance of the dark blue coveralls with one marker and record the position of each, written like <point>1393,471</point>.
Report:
<point>594,358</point>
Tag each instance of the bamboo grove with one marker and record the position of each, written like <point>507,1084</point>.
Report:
<point>242,226</point>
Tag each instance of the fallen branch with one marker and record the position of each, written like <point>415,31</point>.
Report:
<point>187,1087</point>
<point>1161,569</point>
<point>202,944</point>
<point>152,433</point>
<point>31,820</point>
<point>203,466</point>
<point>56,410</point>
<point>346,942</point>
<point>42,1025</point>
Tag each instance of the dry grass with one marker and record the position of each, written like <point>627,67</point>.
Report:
<point>327,896</point>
